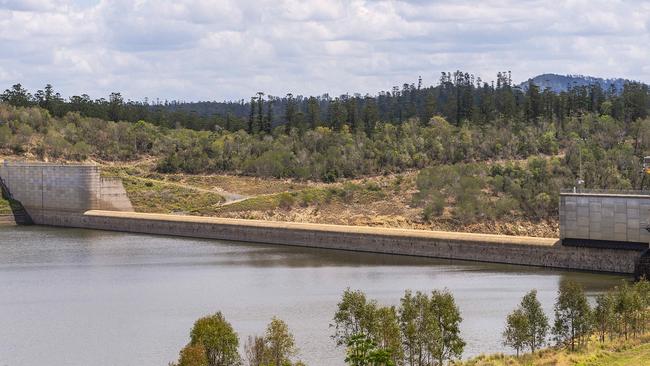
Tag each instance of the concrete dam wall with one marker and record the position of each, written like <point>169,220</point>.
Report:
<point>46,190</point>
<point>542,252</point>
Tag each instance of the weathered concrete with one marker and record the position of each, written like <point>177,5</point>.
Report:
<point>7,220</point>
<point>113,196</point>
<point>477,247</point>
<point>614,217</point>
<point>49,189</point>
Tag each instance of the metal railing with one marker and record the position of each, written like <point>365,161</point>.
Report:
<point>634,192</point>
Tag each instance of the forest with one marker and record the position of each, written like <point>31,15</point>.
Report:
<point>488,149</point>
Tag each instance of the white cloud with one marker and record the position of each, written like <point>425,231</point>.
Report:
<point>229,49</point>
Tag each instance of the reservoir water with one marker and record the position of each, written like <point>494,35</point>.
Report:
<point>82,297</point>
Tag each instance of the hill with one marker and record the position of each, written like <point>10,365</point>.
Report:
<point>561,83</point>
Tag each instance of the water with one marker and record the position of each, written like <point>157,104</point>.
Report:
<point>83,297</point>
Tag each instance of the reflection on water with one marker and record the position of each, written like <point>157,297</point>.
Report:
<point>84,297</point>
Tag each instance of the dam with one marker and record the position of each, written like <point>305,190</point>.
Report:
<point>604,232</point>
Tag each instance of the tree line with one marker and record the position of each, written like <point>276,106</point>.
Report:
<point>489,152</point>
<point>622,312</point>
<point>483,173</point>
<point>459,97</point>
<point>424,330</point>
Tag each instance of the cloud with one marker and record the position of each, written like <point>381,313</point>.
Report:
<point>230,49</point>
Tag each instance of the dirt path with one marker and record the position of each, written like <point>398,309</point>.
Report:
<point>229,197</point>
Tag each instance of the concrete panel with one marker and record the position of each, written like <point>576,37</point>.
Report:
<point>612,217</point>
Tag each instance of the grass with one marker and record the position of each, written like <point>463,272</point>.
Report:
<point>611,353</point>
<point>4,207</point>
<point>148,195</point>
<point>244,185</point>
<point>315,196</point>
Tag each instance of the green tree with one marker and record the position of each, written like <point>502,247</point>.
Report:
<point>17,96</point>
<point>363,351</point>
<point>386,332</point>
<point>537,320</point>
<point>280,343</point>
<point>192,355</point>
<point>430,328</point>
<point>268,121</point>
<point>517,332</point>
<point>313,112</point>
<point>628,307</point>
<point>354,315</point>
<point>218,339</point>
<point>290,113</point>
<point>448,344</point>
<point>260,111</point>
<point>604,314</point>
<point>251,116</point>
<point>573,316</point>
<point>416,326</point>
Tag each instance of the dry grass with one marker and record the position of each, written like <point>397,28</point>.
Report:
<point>161,197</point>
<point>382,201</point>
<point>634,352</point>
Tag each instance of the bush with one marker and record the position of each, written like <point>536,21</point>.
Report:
<point>286,200</point>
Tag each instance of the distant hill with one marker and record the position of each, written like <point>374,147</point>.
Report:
<point>560,83</point>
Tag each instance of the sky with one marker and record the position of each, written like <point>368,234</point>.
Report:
<point>193,50</point>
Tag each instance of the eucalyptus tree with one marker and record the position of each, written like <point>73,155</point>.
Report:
<point>573,316</point>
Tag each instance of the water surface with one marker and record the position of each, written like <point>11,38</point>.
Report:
<point>85,297</point>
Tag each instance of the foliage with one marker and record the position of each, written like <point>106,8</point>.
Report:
<point>280,343</point>
<point>537,320</point>
<point>193,355</point>
<point>447,343</point>
<point>423,330</point>
<point>527,325</point>
<point>573,316</point>
<point>275,348</point>
<point>363,351</point>
<point>218,339</point>
<point>456,132</point>
<point>354,315</point>
<point>517,331</point>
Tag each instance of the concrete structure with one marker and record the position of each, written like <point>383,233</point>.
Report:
<point>47,190</point>
<point>543,252</point>
<point>617,219</point>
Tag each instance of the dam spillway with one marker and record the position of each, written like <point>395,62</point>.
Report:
<point>77,196</point>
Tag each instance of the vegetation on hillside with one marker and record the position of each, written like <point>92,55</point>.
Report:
<point>484,152</point>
